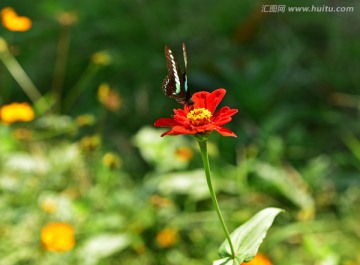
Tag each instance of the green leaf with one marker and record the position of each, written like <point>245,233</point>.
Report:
<point>248,237</point>
<point>102,246</point>
<point>227,261</point>
<point>288,182</point>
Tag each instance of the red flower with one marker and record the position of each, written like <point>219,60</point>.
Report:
<point>200,118</point>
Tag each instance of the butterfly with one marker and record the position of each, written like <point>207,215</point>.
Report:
<point>175,84</point>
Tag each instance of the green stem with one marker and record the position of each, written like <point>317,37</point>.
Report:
<point>101,121</point>
<point>80,86</point>
<point>20,76</point>
<point>205,158</point>
<point>60,64</point>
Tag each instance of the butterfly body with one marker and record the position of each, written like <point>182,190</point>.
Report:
<point>175,84</point>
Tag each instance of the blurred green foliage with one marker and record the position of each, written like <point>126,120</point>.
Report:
<point>293,76</point>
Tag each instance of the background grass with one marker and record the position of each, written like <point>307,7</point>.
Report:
<point>293,76</point>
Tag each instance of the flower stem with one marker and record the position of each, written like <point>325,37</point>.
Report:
<point>60,65</point>
<point>80,86</point>
<point>18,73</point>
<point>205,158</point>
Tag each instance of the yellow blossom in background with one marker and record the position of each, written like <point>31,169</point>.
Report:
<point>58,237</point>
<point>84,120</point>
<point>110,98</point>
<point>259,259</point>
<point>101,58</point>
<point>111,160</point>
<point>13,22</point>
<point>67,18</point>
<point>140,248</point>
<point>167,237</point>
<point>160,202</point>
<point>90,143</point>
<point>49,206</point>
<point>22,134</point>
<point>184,153</point>
<point>16,112</point>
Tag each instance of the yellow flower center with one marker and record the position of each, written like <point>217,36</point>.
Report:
<point>199,116</point>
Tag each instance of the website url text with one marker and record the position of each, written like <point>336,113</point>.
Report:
<point>308,9</point>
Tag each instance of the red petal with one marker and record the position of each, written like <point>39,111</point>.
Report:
<point>165,122</point>
<point>182,130</point>
<point>222,121</point>
<point>167,133</point>
<point>180,112</point>
<point>214,98</point>
<point>180,116</point>
<point>226,132</point>
<point>207,127</point>
<point>223,116</point>
<point>177,130</point>
<point>225,111</point>
<point>188,108</point>
<point>208,100</point>
<point>199,99</point>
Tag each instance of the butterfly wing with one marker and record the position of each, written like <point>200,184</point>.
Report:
<point>174,83</point>
<point>188,99</point>
<point>185,56</point>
